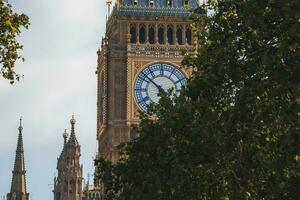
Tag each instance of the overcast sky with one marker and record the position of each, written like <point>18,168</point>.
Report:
<point>59,80</point>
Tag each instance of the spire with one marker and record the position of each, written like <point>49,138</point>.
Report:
<point>18,185</point>
<point>72,140</point>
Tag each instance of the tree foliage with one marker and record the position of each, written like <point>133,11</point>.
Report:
<point>10,27</point>
<point>234,133</point>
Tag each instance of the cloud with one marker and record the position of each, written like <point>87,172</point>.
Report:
<point>60,50</point>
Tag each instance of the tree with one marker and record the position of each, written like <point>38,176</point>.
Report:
<point>234,133</point>
<point>10,27</point>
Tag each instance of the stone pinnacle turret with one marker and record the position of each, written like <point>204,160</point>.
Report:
<point>18,184</point>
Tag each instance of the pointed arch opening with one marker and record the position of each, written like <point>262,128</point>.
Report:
<point>72,186</point>
<point>188,36</point>
<point>58,196</point>
<point>179,35</point>
<point>132,34</point>
<point>66,186</point>
<point>133,134</point>
<point>170,35</point>
<point>151,34</point>
<point>142,34</point>
<point>161,35</point>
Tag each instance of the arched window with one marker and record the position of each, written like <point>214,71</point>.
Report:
<point>58,196</point>
<point>160,35</point>
<point>151,35</point>
<point>132,34</point>
<point>72,186</point>
<point>79,186</point>
<point>169,3</point>
<point>188,36</point>
<point>142,35</point>
<point>179,35</point>
<point>66,186</point>
<point>73,160</point>
<point>170,35</point>
<point>135,2</point>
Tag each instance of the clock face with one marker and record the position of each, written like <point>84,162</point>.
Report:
<point>154,78</point>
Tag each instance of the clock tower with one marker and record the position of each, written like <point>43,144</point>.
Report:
<point>140,55</point>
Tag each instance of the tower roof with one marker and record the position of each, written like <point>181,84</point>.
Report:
<point>18,184</point>
<point>154,8</point>
<point>161,3</point>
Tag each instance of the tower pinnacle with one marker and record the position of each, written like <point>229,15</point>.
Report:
<point>68,183</point>
<point>72,140</point>
<point>18,184</point>
<point>108,3</point>
<point>65,136</point>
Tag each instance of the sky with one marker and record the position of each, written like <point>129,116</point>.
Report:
<point>59,81</point>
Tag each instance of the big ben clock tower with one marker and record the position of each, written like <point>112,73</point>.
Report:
<point>140,55</point>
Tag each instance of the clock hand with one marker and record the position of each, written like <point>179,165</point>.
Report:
<point>158,86</point>
<point>151,80</point>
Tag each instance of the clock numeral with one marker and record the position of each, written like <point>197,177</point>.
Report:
<point>161,70</point>
<point>179,81</point>
<point>145,99</point>
<point>142,76</point>
<point>151,72</point>
<point>141,89</point>
<point>172,72</point>
<point>146,80</point>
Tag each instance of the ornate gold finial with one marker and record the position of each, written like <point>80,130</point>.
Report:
<point>73,121</point>
<point>65,135</point>
<point>20,126</point>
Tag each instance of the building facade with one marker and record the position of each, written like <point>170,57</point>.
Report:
<point>91,192</point>
<point>140,56</point>
<point>18,185</point>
